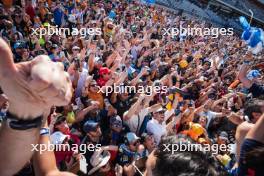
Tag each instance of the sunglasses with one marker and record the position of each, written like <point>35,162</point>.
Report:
<point>161,112</point>
<point>119,125</point>
<point>93,85</point>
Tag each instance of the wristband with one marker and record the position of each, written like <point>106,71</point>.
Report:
<point>44,131</point>
<point>20,124</point>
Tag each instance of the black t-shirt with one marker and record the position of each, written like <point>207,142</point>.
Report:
<point>121,106</point>
<point>256,90</point>
<point>95,72</point>
<point>250,164</point>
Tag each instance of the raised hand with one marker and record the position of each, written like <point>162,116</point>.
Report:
<point>33,87</point>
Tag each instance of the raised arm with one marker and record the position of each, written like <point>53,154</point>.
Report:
<point>135,107</point>
<point>32,89</point>
<point>45,163</point>
<point>242,76</point>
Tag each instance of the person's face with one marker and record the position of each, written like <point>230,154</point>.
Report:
<point>75,51</point>
<point>55,50</point>
<point>97,133</point>
<point>221,141</point>
<point>25,52</point>
<point>159,116</point>
<point>18,18</point>
<point>149,142</point>
<point>134,145</point>
<point>116,128</point>
<point>202,121</point>
<point>106,76</point>
<point>93,87</point>
<point>257,115</point>
<point>206,66</point>
<point>63,127</point>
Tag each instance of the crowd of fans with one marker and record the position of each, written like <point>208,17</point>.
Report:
<point>213,93</point>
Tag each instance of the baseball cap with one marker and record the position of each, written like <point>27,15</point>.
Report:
<point>75,48</point>
<point>98,160</point>
<point>19,45</point>
<point>54,46</point>
<point>97,59</point>
<point>58,137</point>
<point>253,74</point>
<point>72,18</point>
<point>131,137</point>
<point>89,126</point>
<point>116,120</point>
<point>144,136</point>
<point>159,110</point>
<point>104,70</point>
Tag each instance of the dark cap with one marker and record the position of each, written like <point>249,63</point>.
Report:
<point>116,120</point>
<point>19,45</point>
<point>90,126</point>
<point>144,136</point>
<point>60,118</point>
<point>54,46</point>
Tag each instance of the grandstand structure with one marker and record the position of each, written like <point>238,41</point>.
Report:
<point>224,13</point>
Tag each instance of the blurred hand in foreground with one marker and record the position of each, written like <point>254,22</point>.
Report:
<point>33,87</point>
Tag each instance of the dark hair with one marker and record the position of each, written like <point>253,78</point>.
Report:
<point>253,105</point>
<point>183,163</point>
<point>255,157</point>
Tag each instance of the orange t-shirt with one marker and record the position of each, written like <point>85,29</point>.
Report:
<point>7,3</point>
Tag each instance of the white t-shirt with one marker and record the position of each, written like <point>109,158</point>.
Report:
<point>135,122</point>
<point>81,81</point>
<point>158,130</point>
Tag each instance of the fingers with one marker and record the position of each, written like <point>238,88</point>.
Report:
<point>6,60</point>
<point>50,81</point>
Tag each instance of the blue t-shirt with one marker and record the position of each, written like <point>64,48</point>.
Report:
<point>246,166</point>
<point>58,15</point>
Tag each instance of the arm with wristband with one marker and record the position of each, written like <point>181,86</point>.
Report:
<point>32,89</point>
